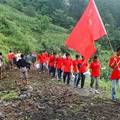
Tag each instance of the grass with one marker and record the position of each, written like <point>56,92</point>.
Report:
<point>106,86</point>
<point>8,95</point>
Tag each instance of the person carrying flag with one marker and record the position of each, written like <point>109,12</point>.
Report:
<point>114,64</point>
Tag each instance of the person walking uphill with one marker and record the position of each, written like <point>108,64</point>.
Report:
<point>67,63</point>
<point>11,57</point>
<point>52,64</point>
<point>114,63</point>
<point>95,73</point>
<point>82,68</point>
<point>22,65</point>
<point>41,59</point>
<point>75,68</point>
<point>59,64</point>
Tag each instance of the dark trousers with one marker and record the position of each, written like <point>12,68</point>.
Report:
<point>41,67</point>
<point>28,66</point>
<point>52,71</point>
<point>94,79</point>
<point>81,77</point>
<point>59,73</point>
<point>76,78</point>
<point>66,75</point>
<point>49,69</point>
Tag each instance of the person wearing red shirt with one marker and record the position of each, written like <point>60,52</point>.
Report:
<point>114,63</point>
<point>46,55</point>
<point>41,59</point>
<point>46,60</point>
<point>95,72</point>
<point>52,63</point>
<point>49,54</point>
<point>75,68</point>
<point>11,57</point>
<point>67,63</point>
<point>59,64</point>
<point>82,68</point>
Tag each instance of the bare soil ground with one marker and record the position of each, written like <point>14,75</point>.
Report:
<point>46,99</point>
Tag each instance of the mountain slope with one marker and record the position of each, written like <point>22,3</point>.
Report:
<point>21,32</point>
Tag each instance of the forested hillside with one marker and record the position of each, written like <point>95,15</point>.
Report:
<point>19,31</point>
<point>52,88</point>
<point>30,25</point>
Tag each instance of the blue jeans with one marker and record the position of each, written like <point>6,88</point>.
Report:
<point>114,83</point>
<point>66,75</point>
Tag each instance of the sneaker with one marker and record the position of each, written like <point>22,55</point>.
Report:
<point>97,92</point>
<point>91,89</point>
<point>114,100</point>
<point>53,78</point>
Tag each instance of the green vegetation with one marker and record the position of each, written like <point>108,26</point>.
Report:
<point>30,25</point>
<point>33,25</point>
<point>8,95</point>
<point>26,20</point>
<point>21,32</point>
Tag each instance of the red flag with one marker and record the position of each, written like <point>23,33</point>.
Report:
<point>88,29</point>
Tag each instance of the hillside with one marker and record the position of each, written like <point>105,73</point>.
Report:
<point>36,25</point>
<point>30,25</point>
<point>21,32</point>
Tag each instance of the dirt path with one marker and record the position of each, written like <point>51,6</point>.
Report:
<point>45,99</point>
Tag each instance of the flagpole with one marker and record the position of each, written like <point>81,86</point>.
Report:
<point>108,39</point>
<point>103,58</point>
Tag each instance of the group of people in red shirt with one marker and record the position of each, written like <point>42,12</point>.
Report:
<point>62,66</point>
